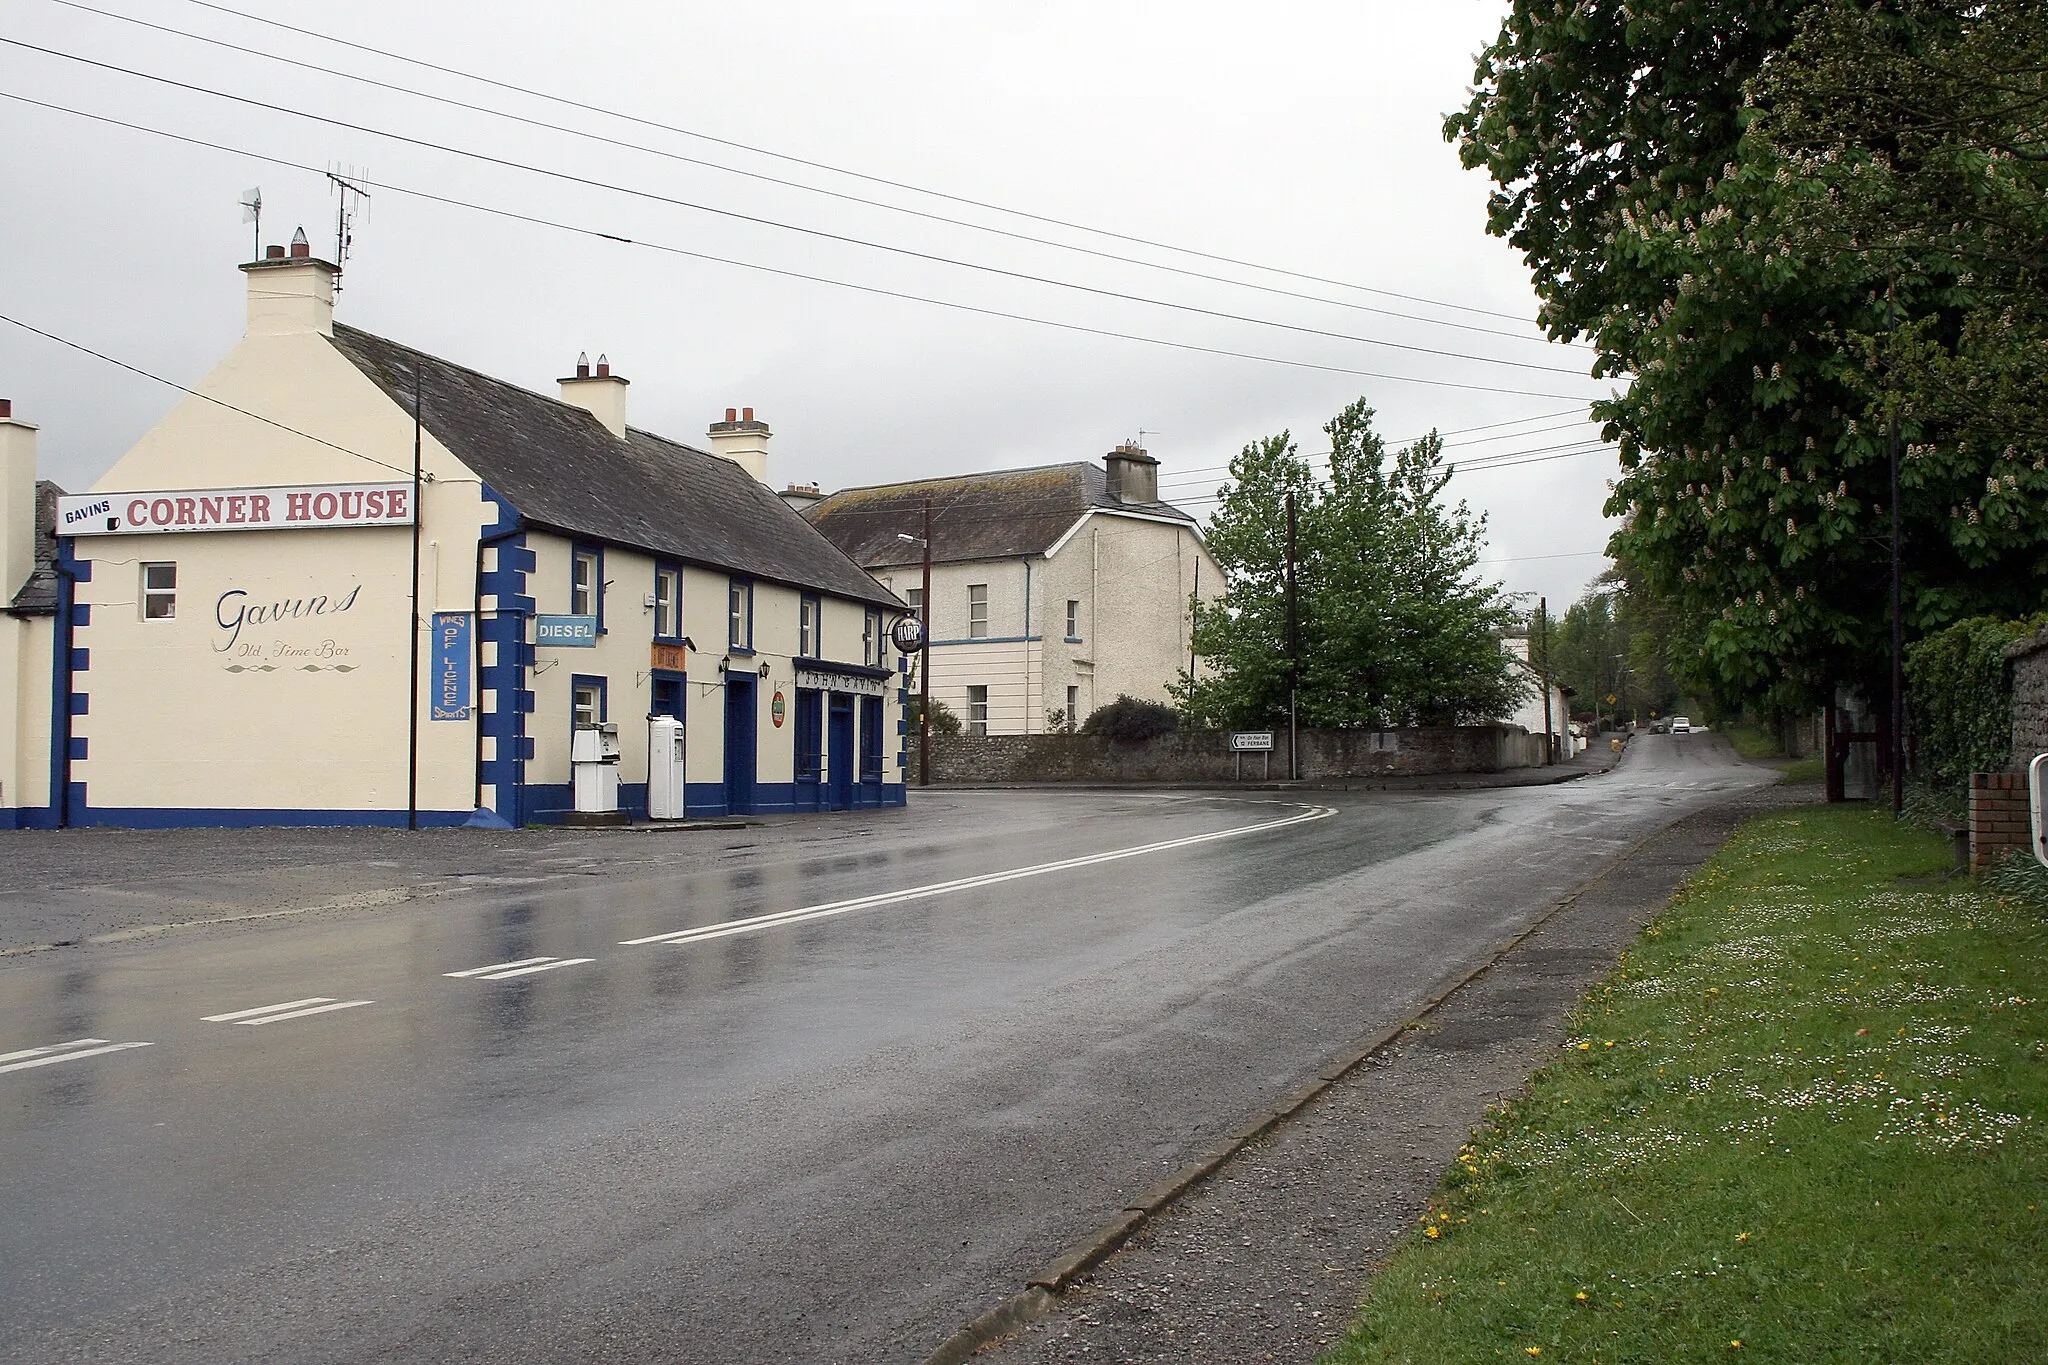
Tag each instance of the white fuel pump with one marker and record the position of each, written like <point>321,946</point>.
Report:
<point>664,768</point>
<point>594,762</point>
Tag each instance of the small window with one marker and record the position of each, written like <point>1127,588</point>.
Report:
<point>1073,705</point>
<point>807,642</point>
<point>977,710</point>
<point>915,597</point>
<point>668,604</point>
<point>1073,619</point>
<point>584,587</point>
<point>586,703</point>
<point>159,592</point>
<point>977,611</point>
<point>873,644</point>
<point>740,614</point>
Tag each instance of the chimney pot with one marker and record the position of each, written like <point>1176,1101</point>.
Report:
<point>732,415</point>
<point>583,364</point>
<point>274,252</point>
<point>300,246</point>
<point>604,367</point>
<point>6,408</point>
<point>746,414</point>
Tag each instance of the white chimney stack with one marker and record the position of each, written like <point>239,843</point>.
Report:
<point>291,291</point>
<point>602,395</point>
<point>742,440</point>
<point>17,502</point>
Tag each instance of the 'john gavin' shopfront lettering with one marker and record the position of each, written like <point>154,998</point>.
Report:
<point>234,610</point>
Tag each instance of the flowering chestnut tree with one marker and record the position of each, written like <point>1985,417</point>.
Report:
<point>1762,359</point>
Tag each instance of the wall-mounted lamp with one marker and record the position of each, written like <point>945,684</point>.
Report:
<point>764,670</point>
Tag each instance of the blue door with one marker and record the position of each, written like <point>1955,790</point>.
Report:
<point>810,747</point>
<point>871,751</point>
<point>839,759</point>
<point>741,722</point>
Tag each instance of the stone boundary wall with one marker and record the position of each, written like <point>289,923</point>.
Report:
<point>2029,697</point>
<point>1998,819</point>
<point>1204,756</point>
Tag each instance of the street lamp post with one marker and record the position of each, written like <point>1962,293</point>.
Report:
<point>924,674</point>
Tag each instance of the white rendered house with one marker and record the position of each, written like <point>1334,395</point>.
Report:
<point>1055,589</point>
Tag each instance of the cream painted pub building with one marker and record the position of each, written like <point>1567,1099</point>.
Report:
<point>265,616</point>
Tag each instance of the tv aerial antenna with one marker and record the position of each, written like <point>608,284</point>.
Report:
<point>352,185</point>
<point>252,212</point>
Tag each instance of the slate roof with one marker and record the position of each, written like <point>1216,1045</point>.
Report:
<point>999,515</point>
<point>565,471</point>
<point>38,595</point>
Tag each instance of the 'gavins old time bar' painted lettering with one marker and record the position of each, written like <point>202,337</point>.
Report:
<point>310,507</point>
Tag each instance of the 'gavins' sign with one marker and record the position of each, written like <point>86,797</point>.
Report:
<point>237,509</point>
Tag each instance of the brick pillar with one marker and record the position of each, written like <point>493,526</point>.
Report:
<point>1998,818</point>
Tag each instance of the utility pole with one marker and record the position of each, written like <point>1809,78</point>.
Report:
<point>1543,674</point>
<point>412,696</point>
<point>924,677</point>
<point>1898,726</point>
<point>1293,657</point>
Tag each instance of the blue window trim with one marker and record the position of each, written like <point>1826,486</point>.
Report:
<point>576,550</point>
<point>604,697</point>
<point>817,642</point>
<point>746,646</point>
<point>877,654</point>
<point>662,566</point>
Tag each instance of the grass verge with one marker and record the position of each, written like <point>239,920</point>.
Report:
<point>1803,1121</point>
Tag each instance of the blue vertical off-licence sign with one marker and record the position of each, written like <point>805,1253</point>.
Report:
<point>451,680</point>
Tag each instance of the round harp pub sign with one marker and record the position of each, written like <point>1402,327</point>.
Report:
<point>907,635</point>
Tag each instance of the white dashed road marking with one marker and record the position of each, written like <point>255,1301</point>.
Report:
<point>60,1052</point>
<point>290,1009</point>
<point>783,918</point>
<point>525,966</point>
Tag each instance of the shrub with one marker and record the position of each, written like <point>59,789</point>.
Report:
<point>1131,721</point>
<point>944,722</point>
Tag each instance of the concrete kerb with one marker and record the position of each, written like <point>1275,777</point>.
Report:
<point>1042,1289</point>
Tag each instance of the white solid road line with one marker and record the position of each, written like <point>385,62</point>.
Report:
<point>504,971</point>
<point>61,1052</point>
<point>500,966</point>
<point>290,1009</point>
<point>782,918</point>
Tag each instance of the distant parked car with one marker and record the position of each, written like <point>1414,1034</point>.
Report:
<point>1680,725</point>
<point>1661,725</point>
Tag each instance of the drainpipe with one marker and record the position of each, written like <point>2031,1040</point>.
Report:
<point>1027,643</point>
<point>61,682</point>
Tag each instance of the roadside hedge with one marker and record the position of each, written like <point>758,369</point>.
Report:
<point>1959,687</point>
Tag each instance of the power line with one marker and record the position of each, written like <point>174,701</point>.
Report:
<point>759,221</point>
<point>840,170</point>
<point>217,402</point>
<point>1497,460</point>
<point>388,187</point>
<point>1180,478</point>
<point>799,185</point>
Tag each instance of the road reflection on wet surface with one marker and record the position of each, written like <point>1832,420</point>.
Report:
<point>510,1130</point>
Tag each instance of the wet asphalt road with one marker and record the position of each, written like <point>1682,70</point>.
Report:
<point>833,1137</point>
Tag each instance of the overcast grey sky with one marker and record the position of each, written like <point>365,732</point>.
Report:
<point>1304,136</point>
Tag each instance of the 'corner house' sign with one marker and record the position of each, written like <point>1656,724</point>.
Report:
<point>311,506</point>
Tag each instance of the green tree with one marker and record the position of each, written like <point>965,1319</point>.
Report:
<point>1754,488</point>
<point>1394,626</point>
